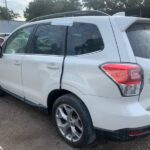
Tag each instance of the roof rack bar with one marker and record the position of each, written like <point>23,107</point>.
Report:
<point>71,14</point>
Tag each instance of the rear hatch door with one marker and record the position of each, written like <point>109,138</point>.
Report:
<point>139,38</point>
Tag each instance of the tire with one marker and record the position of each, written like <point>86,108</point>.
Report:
<point>1,92</point>
<point>72,121</point>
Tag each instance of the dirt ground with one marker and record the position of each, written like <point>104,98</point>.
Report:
<point>23,127</point>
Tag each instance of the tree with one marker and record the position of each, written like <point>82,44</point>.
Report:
<point>6,14</point>
<point>66,5</point>
<point>43,7</point>
<point>147,2</point>
<point>38,8</point>
<point>110,5</point>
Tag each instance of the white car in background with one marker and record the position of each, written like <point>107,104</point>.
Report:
<point>90,70</point>
<point>3,36</point>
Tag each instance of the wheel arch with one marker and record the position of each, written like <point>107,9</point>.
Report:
<point>55,94</point>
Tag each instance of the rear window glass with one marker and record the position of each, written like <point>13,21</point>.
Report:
<point>84,38</point>
<point>139,37</point>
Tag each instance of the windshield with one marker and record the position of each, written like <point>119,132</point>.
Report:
<point>139,37</point>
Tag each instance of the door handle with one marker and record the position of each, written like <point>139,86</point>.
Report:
<point>52,66</point>
<point>17,63</point>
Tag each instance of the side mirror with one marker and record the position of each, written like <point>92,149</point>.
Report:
<point>1,51</point>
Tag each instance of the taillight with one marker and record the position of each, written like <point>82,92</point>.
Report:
<point>127,76</point>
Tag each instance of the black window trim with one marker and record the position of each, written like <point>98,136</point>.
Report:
<point>11,36</point>
<point>64,42</point>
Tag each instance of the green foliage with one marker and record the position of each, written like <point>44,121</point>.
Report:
<point>147,2</point>
<point>66,5</point>
<point>6,14</point>
<point>43,7</point>
<point>38,8</point>
<point>109,5</point>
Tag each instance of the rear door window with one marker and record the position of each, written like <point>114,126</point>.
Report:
<point>139,37</point>
<point>84,38</point>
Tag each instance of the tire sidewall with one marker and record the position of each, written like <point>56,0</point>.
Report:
<point>79,107</point>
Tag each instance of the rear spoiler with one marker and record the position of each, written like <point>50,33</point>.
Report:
<point>125,22</point>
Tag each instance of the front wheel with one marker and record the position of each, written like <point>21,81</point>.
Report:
<point>73,121</point>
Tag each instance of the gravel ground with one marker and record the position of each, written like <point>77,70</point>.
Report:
<point>23,127</point>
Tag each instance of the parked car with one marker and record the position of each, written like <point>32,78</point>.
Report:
<point>90,70</point>
<point>4,34</point>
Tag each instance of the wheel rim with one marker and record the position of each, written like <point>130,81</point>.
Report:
<point>69,123</point>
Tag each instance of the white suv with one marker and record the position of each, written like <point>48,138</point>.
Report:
<point>91,71</point>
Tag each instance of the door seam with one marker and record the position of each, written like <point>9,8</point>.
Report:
<point>65,54</point>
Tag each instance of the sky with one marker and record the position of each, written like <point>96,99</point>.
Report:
<point>18,6</point>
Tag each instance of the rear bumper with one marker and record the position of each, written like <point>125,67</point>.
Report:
<point>114,114</point>
<point>124,134</point>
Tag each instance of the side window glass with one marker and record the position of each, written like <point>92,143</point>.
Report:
<point>49,39</point>
<point>18,41</point>
<point>139,38</point>
<point>84,38</point>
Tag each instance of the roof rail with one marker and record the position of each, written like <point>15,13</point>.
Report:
<point>71,14</point>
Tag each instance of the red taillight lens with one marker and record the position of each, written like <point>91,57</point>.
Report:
<point>136,133</point>
<point>127,76</point>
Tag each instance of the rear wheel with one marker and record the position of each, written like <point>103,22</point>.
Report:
<point>73,121</point>
<point>1,92</point>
